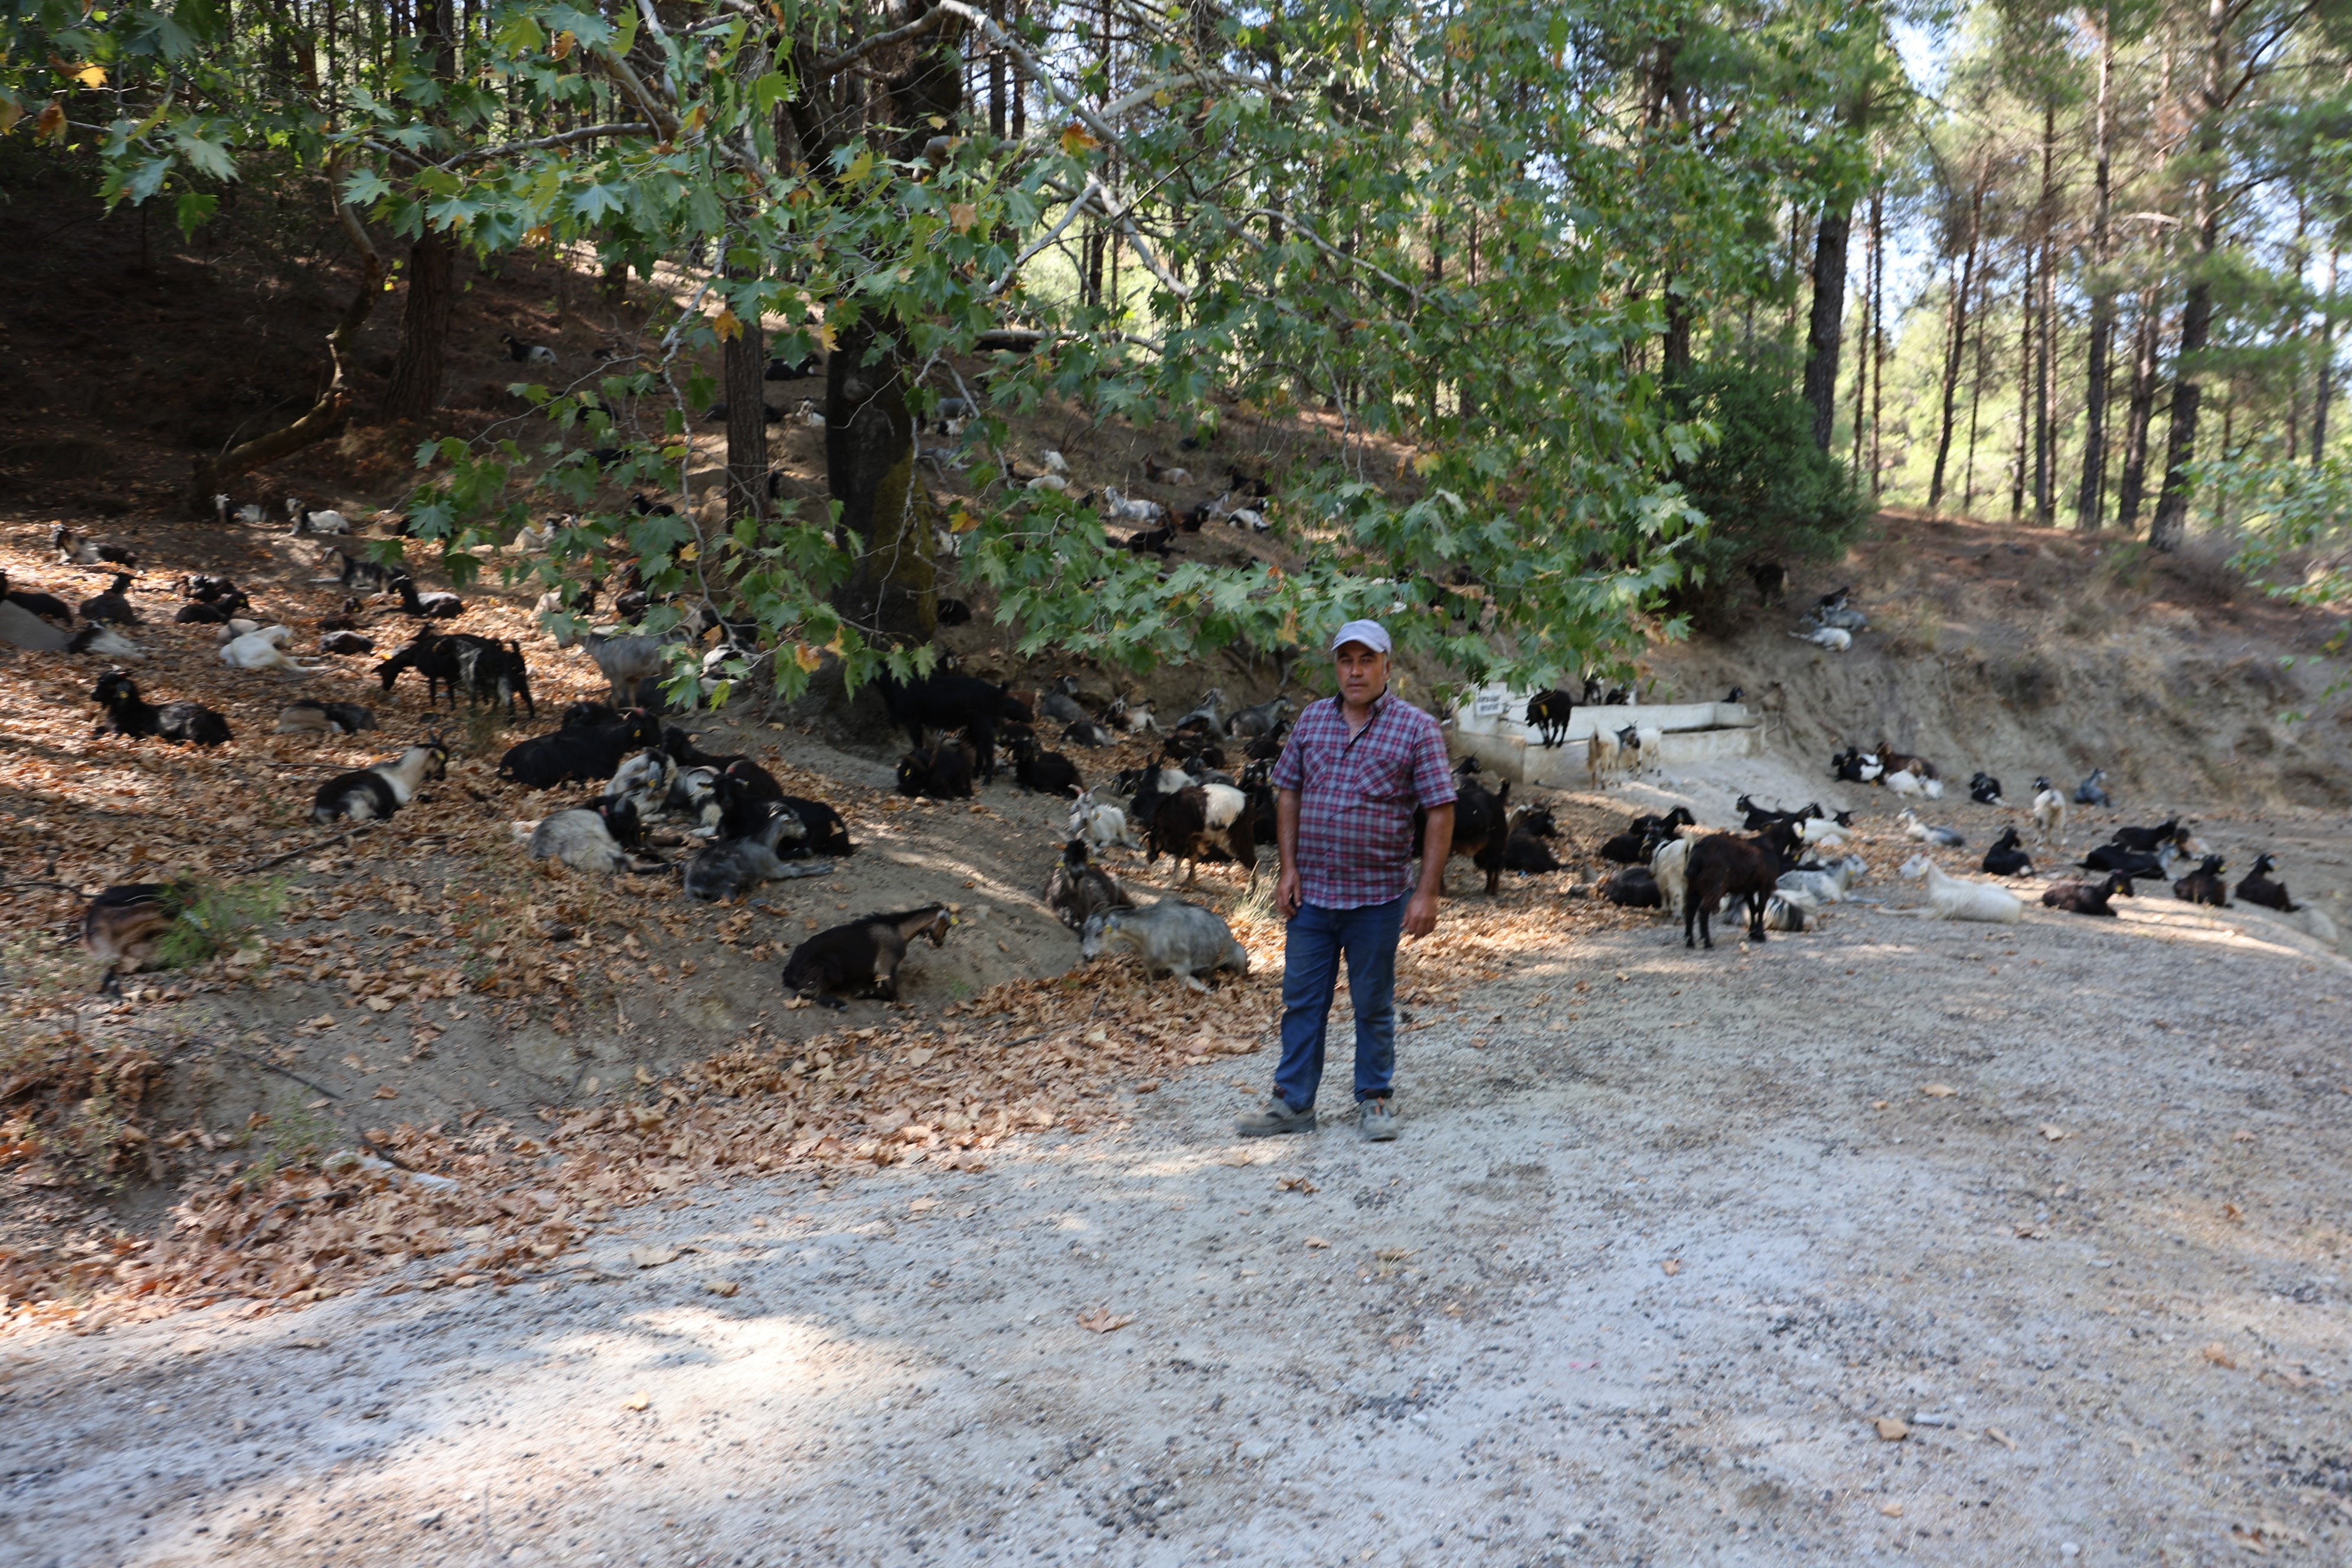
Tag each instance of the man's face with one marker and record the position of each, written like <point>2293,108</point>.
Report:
<point>1362,673</point>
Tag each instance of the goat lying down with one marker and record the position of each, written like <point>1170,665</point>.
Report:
<point>125,925</point>
<point>864,954</point>
<point>735,866</point>
<point>374,794</point>
<point>594,837</point>
<point>1170,937</point>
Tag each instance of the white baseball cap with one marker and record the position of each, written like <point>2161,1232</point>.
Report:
<point>1371,634</point>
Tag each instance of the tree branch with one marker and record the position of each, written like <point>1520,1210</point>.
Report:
<point>923,23</point>
<point>586,133</point>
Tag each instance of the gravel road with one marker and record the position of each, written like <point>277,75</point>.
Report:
<point>1666,1236</point>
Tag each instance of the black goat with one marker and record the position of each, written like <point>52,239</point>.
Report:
<point>2260,889</point>
<point>943,701</point>
<point>2204,885</point>
<point>579,752</point>
<point>495,672</point>
<point>1160,541</point>
<point>346,643</point>
<point>1524,851</point>
<point>2147,839</point>
<point>1482,828</point>
<point>1771,580</point>
<point>1722,866</point>
<point>427,607</point>
<point>2079,896</point>
<point>863,955</point>
<point>128,714</point>
<point>1047,772</point>
<point>113,605</point>
<point>1985,790</point>
<point>2005,859</point>
<point>1549,711</point>
<point>358,569</point>
<point>48,606</point>
<point>1643,835</point>
<point>2132,863</point>
<point>941,773</point>
<point>1633,888</point>
<point>211,612</point>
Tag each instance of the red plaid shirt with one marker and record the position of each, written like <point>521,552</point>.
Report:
<point>1356,797</point>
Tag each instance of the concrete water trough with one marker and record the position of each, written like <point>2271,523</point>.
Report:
<point>1488,726</point>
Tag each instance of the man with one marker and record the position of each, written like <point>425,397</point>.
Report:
<point>1357,766</point>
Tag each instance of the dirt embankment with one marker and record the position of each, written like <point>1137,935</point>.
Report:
<point>2023,651</point>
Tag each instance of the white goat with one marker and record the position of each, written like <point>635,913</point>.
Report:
<point>1828,885</point>
<point>1821,833</point>
<point>1835,639</point>
<point>1101,825</point>
<point>1928,833</point>
<point>1950,898</point>
<point>1137,509</point>
<point>2050,810</point>
<point>1670,869</point>
<point>262,649</point>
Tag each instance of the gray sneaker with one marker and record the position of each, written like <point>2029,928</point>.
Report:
<point>1274,1119</point>
<point>1376,1121</point>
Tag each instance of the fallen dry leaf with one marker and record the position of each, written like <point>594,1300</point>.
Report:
<point>2241,1136</point>
<point>1317,1241</point>
<point>1891,1509</point>
<point>1939,1091</point>
<point>2054,1132</point>
<point>1672,1266</point>
<point>1995,1434</point>
<point>305,1345</point>
<point>1295,1184</point>
<point>637,1401</point>
<point>1101,1321</point>
<point>385,1091</point>
<point>1891,1428</point>
<point>922,1205</point>
<point>2219,1355</point>
<point>722,1286</point>
<point>2134,1443</point>
<point>652,1256</point>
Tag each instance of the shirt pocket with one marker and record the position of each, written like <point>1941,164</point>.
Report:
<point>1382,782</point>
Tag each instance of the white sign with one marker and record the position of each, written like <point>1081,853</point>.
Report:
<point>1490,704</point>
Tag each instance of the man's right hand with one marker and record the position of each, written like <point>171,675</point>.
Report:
<point>1287,895</point>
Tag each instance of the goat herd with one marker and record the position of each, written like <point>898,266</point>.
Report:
<point>1780,875</point>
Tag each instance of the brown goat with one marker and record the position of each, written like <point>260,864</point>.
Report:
<point>1722,866</point>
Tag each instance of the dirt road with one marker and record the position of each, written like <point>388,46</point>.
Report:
<point>1665,1235</point>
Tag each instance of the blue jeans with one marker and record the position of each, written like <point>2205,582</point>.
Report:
<point>1316,939</point>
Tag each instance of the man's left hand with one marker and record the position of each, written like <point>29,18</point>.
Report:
<point>1420,914</point>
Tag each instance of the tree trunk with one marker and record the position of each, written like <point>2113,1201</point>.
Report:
<point>2090,499</point>
<point>892,593</point>
<point>1828,323</point>
<point>2171,524</point>
<point>2326,367</point>
<point>2045,509</point>
<point>2024,382</point>
<point>2146,340</point>
<point>1876,349</point>
<point>416,389</point>
<point>1956,342</point>
<point>869,453</point>
<point>1868,336</point>
<point>1976,402</point>
<point>744,361</point>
